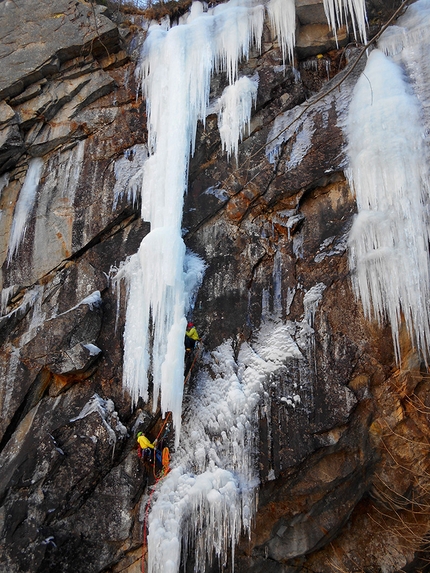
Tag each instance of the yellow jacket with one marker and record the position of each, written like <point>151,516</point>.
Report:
<point>144,442</point>
<point>192,333</point>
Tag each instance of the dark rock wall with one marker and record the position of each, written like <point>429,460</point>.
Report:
<point>344,476</point>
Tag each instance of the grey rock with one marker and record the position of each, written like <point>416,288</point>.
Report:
<point>310,12</point>
<point>62,102</point>
<point>36,37</point>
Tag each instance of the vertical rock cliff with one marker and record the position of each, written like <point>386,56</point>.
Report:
<point>305,428</point>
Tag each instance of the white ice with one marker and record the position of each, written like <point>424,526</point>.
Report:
<point>24,205</point>
<point>92,349</point>
<point>311,301</point>
<point>209,497</point>
<point>174,76</point>
<point>282,16</point>
<point>337,12</point>
<point>408,44</point>
<point>389,254</point>
<point>234,117</point>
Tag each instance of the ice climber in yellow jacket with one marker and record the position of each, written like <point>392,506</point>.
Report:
<point>146,448</point>
<point>191,337</point>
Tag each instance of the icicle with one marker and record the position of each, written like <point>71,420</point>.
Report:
<point>24,205</point>
<point>282,16</point>
<point>389,254</point>
<point>337,12</point>
<point>234,117</point>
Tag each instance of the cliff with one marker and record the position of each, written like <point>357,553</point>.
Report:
<point>343,430</point>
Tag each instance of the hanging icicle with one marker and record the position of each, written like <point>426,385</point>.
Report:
<point>389,254</point>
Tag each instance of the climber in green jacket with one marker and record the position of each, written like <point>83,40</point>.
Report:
<point>191,337</point>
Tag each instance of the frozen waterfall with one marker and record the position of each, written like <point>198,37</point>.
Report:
<point>174,76</point>
<point>389,241</point>
<point>208,498</point>
<point>24,205</point>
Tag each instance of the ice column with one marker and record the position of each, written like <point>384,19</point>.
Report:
<point>175,78</point>
<point>389,253</point>
<point>24,205</point>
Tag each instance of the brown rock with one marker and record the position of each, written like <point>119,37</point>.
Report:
<point>314,39</point>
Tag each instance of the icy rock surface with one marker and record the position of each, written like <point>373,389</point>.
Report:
<point>109,417</point>
<point>208,499</point>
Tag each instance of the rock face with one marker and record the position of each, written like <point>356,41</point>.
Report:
<point>344,477</point>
